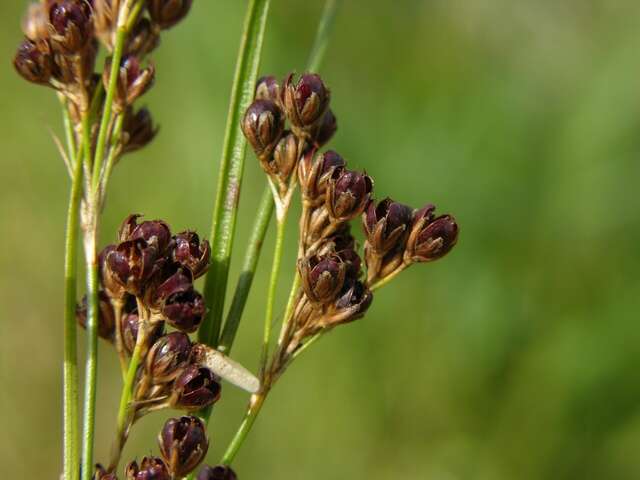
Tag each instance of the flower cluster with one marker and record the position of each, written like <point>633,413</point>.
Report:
<point>335,289</point>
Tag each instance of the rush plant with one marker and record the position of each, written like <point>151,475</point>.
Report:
<point>140,294</point>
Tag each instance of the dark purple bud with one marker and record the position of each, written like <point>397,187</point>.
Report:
<point>155,233</point>
<point>35,23</point>
<point>352,261</point>
<point>151,468</point>
<point>180,281</point>
<point>130,326</point>
<point>348,194</point>
<point>183,444</point>
<point>138,130</point>
<point>112,286</point>
<point>219,472</point>
<point>106,316</point>
<point>70,25</point>
<point>166,13</point>
<point>430,241</point>
<point>195,388</point>
<point>305,101</point>
<point>314,173</point>
<point>386,225</point>
<point>285,157</point>
<point>133,80</point>
<point>184,311</point>
<point>143,38</point>
<point>268,88</point>
<point>262,125</point>
<point>34,61</point>
<point>168,356</point>
<point>189,252</point>
<point>131,264</point>
<point>352,303</point>
<point>326,129</point>
<point>322,277</point>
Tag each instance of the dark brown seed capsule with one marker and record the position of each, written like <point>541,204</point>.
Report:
<point>285,157</point>
<point>262,125</point>
<point>184,311</point>
<point>431,240</point>
<point>143,39</point>
<point>314,174</point>
<point>151,468</point>
<point>352,303</point>
<point>166,13</point>
<point>189,252</point>
<point>348,194</point>
<point>168,356</point>
<point>130,326</point>
<point>386,225</point>
<point>322,277</point>
<point>195,388</point>
<point>106,316</point>
<point>219,472</point>
<point>131,264</point>
<point>34,61</point>
<point>183,444</point>
<point>133,80</point>
<point>327,127</point>
<point>268,88</point>
<point>305,101</point>
<point>138,130</point>
<point>70,26</point>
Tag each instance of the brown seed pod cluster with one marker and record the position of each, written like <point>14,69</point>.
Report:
<point>335,288</point>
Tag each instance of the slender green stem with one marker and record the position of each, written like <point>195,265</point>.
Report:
<point>113,152</point>
<point>70,140</point>
<point>231,169</point>
<point>245,280</point>
<point>322,35</point>
<point>271,292</point>
<point>71,426</point>
<point>103,132</point>
<point>91,361</point>
<point>388,278</point>
<point>245,427</point>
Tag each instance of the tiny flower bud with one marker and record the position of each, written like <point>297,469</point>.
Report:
<point>322,277</point>
<point>431,240</point>
<point>168,356</point>
<point>35,22</point>
<point>195,388</point>
<point>138,130</point>
<point>305,101</point>
<point>113,287</point>
<point>262,124</point>
<point>183,444</point>
<point>185,311</point>
<point>348,194</point>
<point>268,88</point>
<point>386,225</point>
<point>189,252</point>
<point>71,26</point>
<point>219,472</point>
<point>151,468</point>
<point>285,156</point>
<point>133,80</point>
<point>155,233</point>
<point>143,39</point>
<point>166,13</point>
<point>34,61</point>
<point>106,316</point>
<point>352,303</point>
<point>314,174</point>
<point>326,129</point>
<point>130,326</point>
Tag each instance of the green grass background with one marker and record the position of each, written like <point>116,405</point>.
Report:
<point>516,357</point>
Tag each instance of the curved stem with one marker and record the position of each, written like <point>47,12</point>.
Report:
<point>245,427</point>
<point>245,280</point>
<point>70,375</point>
<point>388,278</point>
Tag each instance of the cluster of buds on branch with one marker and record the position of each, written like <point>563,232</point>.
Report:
<point>334,290</point>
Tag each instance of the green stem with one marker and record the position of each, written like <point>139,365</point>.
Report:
<point>388,278</point>
<point>71,433</point>
<point>113,152</point>
<point>231,169</point>
<point>257,401</point>
<point>271,292</point>
<point>322,36</point>
<point>91,362</point>
<point>245,280</point>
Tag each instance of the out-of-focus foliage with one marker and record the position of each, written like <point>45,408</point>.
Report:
<point>514,357</point>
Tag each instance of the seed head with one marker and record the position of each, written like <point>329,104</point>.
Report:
<point>34,61</point>
<point>166,13</point>
<point>431,240</point>
<point>168,356</point>
<point>195,388</point>
<point>386,225</point>
<point>70,26</point>
<point>348,194</point>
<point>262,125</point>
<point>305,101</point>
<point>322,277</point>
<point>189,252</point>
<point>183,444</point>
<point>151,468</point>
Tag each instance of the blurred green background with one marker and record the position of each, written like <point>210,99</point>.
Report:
<point>517,356</point>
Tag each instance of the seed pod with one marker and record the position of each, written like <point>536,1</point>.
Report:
<point>189,252</point>
<point>195,388</point>
<point>130,325</point>
<point>151,468</point>
<point>35,23</point>
<point>305,101</point>
<point>348,194</point>
<point>155,233</point>
<point>268,88</point>
<point>314,174</point>
<point>224,367</point>
<point>322,277</point>
<point>183,444</point>
<point>131,264</point>
<point>133,80</point>
<point>352,303</point>
<point>262,125</point>
<point>138,130</point>
<point>168,356</point>
<point>106,316</point>
<point>326,129</point>
<point>285,157</point>
<point>166,13</point>
<point>143,39</point>
<point>431,240</point>
<point>112,287</point>
<point>34,61</point>
<point>386,225</point>
<point>185,311</point>
<point>70,26</point>
<point>219,472</point>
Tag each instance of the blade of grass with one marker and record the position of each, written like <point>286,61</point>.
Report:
<point>231,168</point>
<point>325,27</point>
